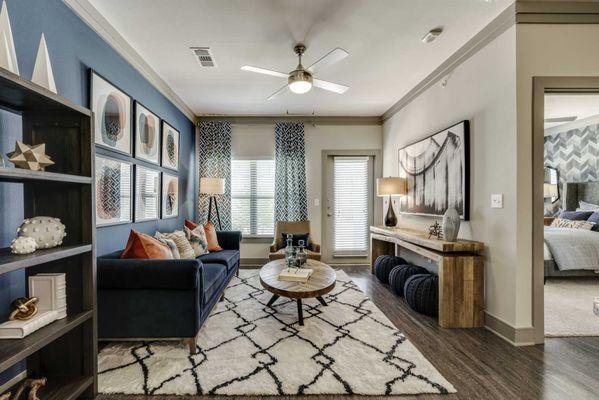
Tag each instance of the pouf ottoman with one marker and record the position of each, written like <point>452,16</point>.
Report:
<point>384,264</point>
<point>422,293</point>
<point>400,274</point>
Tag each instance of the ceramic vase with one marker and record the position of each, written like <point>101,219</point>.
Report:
<point>451,224</point>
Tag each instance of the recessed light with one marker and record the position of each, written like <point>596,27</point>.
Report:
<point>432,35</point>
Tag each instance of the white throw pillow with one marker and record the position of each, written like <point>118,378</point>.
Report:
<point>170,243</point>
<point>197,238</point>
<point>567,223</point>
<point>584,206</point>
<point>183,245</point>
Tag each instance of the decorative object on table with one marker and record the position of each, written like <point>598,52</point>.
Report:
<point>147,194</point>
<point>422,293</point>
<point>18,329</point>
<point>23,308</point>
<point>29,157</point>
<point>170,195</point>
<point>8,55</point>
<point>147,134</point>
<point>23,245</point>
<point>400,274</point>
<point>384,264</point>
<point>170,147</point>
<point>301,255</point>
<point>435,231</point>
<point>113,191</point>
<point>291,274</point>
<point>42,71</point>
<point>51,290</point>
<point>437,170</point>
<point>112,114</point>
<point>48,232</point>
<point>212,187</point>
<point>34,385</point>
<point>451,224</point>
<point>390,187</point>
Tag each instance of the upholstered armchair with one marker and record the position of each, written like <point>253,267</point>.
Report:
<point>278,245</point>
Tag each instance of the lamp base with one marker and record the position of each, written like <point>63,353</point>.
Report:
<point>390,218</point>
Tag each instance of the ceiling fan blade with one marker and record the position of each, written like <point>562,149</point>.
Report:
<point>278,92</point>
<point>561,119</point>
<point>327,60</point>
<point>264,71</point>
<point>330,86</point>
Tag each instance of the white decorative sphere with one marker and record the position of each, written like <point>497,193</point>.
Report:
<point>23,245</point>
<point>47,232</point>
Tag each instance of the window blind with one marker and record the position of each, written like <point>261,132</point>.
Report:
<point>350,209</point>
<point>252,196</point>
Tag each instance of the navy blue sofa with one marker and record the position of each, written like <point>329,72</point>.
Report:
<point>163,299</point>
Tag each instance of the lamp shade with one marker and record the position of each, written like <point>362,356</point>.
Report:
<point>390,186</point>
<point>212,185</point>
<point>550,190</point>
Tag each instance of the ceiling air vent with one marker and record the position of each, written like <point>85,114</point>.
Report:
<point>204,56</point>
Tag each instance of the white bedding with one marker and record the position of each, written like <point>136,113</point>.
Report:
<point>572,248</point>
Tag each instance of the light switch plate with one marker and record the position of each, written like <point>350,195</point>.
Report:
<point>316,202</point>
<point>497,200</point>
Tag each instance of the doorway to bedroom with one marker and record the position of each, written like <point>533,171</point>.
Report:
<point>571,213</point>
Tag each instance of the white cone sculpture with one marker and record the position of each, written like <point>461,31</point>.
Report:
<point>8,55</point>
<point>42,71</point>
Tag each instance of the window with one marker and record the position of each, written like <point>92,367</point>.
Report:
<point>252,196</point>
<point>350,205</point>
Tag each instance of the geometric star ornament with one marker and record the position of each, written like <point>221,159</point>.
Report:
<point>30,157</point>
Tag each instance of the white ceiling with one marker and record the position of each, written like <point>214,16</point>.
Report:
<point>387,58</point>
<point>580,106</point>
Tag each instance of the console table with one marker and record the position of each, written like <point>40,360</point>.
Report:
<point>461,271</point>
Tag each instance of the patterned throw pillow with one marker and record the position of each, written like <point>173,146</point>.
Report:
<point>197,238</point>
<point>183,245</point>
<point>566,223</point>
<point>171,245</point>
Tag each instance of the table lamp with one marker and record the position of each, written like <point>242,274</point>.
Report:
<point>212,187</point>
<point>390,187</point>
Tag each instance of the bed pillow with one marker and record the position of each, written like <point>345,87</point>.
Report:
<point>584,206</point>
<point>576,215</point>
<point>566,223</point>
<point>595,219</point>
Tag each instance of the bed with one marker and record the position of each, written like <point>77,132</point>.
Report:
<point>576,250</point>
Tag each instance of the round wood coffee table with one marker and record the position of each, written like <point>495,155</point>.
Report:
<point>321,282</point>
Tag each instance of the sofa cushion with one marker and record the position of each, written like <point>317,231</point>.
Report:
<point>229,258</point>
<point>214,277</point>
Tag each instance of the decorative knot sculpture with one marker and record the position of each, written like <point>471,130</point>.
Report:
<point>23,308</point>
<point>435,230</point>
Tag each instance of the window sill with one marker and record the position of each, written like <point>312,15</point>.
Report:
<point>257,239</point>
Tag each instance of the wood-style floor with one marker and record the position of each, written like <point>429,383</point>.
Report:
<point>478,363</point>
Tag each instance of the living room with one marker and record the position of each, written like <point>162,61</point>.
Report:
<point>289,199</point>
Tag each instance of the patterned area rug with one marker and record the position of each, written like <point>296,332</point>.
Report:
<point>245,348</point>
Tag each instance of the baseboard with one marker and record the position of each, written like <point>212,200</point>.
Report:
<point>512,335</point>
<point>10,383</point>
<point>253,262</point>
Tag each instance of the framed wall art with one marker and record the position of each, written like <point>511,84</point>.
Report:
<point>113,191</point>
<point>170,147</point>
<point>112,115</point>
<point>437,171</point>
<point>147,194</point>
<point>147,135</point>
<point>170,195</point>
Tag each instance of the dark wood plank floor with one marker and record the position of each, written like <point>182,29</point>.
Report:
<point>478,363</point>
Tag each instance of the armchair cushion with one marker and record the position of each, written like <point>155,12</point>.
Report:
<point>228,258</point>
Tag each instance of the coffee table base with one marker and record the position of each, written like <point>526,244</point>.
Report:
<point>300,309</point>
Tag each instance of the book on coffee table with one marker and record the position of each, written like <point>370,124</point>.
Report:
<point>295,274</point>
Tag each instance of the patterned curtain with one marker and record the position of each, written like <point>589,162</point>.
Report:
<point>290,172</point>
<point>214,161</point>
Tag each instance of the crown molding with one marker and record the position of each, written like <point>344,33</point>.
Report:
<point>500,24</point>
<point>96,21</point>
<point>557,12</point>
<point>307,119</point>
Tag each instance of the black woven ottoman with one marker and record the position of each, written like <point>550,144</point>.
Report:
<point>422,293</point>
<point>384,264</point>
<point>400,274</point>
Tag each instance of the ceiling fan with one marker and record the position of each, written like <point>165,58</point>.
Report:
<point>301,80</point>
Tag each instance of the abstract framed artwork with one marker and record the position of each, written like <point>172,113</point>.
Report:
<point>170,196</point>
<point>113,191</point>
<point>147,194</point>
<point>112,114</point>
<point>147,134</point>
<point>437,171</point>
<point>170,147</point>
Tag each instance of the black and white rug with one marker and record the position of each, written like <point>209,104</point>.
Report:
<point>246,348</point>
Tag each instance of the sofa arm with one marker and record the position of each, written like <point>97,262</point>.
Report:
<point>119,273</point>
<point>229,240</point>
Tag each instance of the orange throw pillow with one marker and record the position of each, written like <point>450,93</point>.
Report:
<point>211,237</point>
<point>146,247</point>
<point>191,225</point>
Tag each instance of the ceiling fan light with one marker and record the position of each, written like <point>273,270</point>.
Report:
<point>300,87</point>
<point>300,81</point>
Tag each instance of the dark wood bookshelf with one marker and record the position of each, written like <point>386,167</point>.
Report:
<point>65,351</point>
